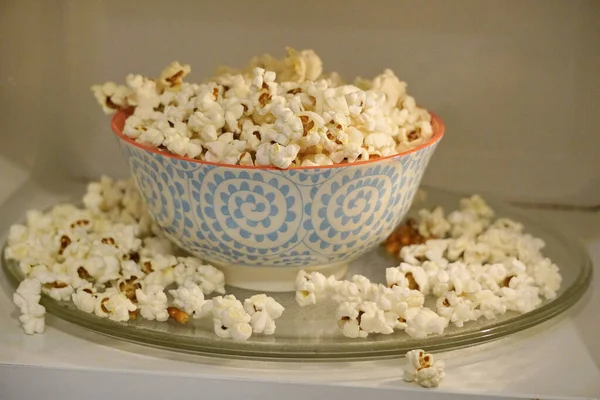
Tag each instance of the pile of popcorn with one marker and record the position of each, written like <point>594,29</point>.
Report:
<point>111,260</point>
<point>465,265</point>
<point>276,112</point>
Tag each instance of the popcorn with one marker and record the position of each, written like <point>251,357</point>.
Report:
<point>118,307</point>
<point>110,259</point>
<point>359,319</point>
<point>190,298</point>
<point>348,317</point>
<point>111,96</point>
<point>233,323</point>
<point>32,324</point>
<point>400,304</point>
<point>425,323</point>
<point>346,291</point>
<point>59,290</point>
<point>477,205</point>
<point>27,298</point>
<point>547,277</point>
<point>372,319</point>
<point>311,286</point>
<point>84,300</point>
<point>283,113</point>
<point>152,303</point>
<point>488,303</point>
<point>100,308</point>
<point>229,318</point>
<point>430,377</point>
<point>423,368</point>
<point>458,309</point>
<point>106,258</point>
<point>263,311</point>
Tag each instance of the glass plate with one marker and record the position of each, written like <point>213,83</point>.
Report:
<point>311,332</point>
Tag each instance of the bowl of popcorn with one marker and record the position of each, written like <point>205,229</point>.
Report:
<point>274,168</point>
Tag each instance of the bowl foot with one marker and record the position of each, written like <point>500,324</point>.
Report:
<point>274,279</point>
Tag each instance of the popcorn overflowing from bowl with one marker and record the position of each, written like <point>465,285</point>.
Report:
<point>276,112</point>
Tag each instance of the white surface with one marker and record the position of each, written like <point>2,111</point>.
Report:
<point>559,359</point>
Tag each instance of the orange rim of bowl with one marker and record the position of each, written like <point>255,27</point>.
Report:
<point>118,123</point>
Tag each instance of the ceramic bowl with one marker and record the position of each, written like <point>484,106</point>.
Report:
<point>261,225</point>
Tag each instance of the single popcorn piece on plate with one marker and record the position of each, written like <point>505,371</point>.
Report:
<point>190,298</point>
<point>433,223</point>
<point>357,320</point>
<point>348,317</point>
<point>457,309</point>
<point>408,276</point>
<point>400,304</point>
<point>421,367</point>
<point>234,323</point>
<point>312,286</point>
<point>85,300</point>
<point>230,320</point>
<point>425,323</point>
<point>372,319</point>
<point>263,311</point>
<point>119,307</point>
<point>152,303</point>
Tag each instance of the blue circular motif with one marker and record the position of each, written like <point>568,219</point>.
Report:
<point>350,212</point>
<point>251,214</point>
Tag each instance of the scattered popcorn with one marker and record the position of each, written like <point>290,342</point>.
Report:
<point>423,368</point>
<point>283,113</point>
<point>474,268</point>
<point>108,258</point>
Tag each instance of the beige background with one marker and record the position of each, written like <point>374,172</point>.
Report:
<point>517,82</point>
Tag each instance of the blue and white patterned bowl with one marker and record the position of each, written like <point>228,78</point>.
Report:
<point>262,224</point>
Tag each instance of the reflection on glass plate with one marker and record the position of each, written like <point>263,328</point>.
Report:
<point>312,332</point>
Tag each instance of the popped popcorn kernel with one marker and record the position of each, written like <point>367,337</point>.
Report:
<point>423,369</point>
<point>263,311</point>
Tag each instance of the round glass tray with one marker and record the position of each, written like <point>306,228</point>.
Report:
<point>311,333</point>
